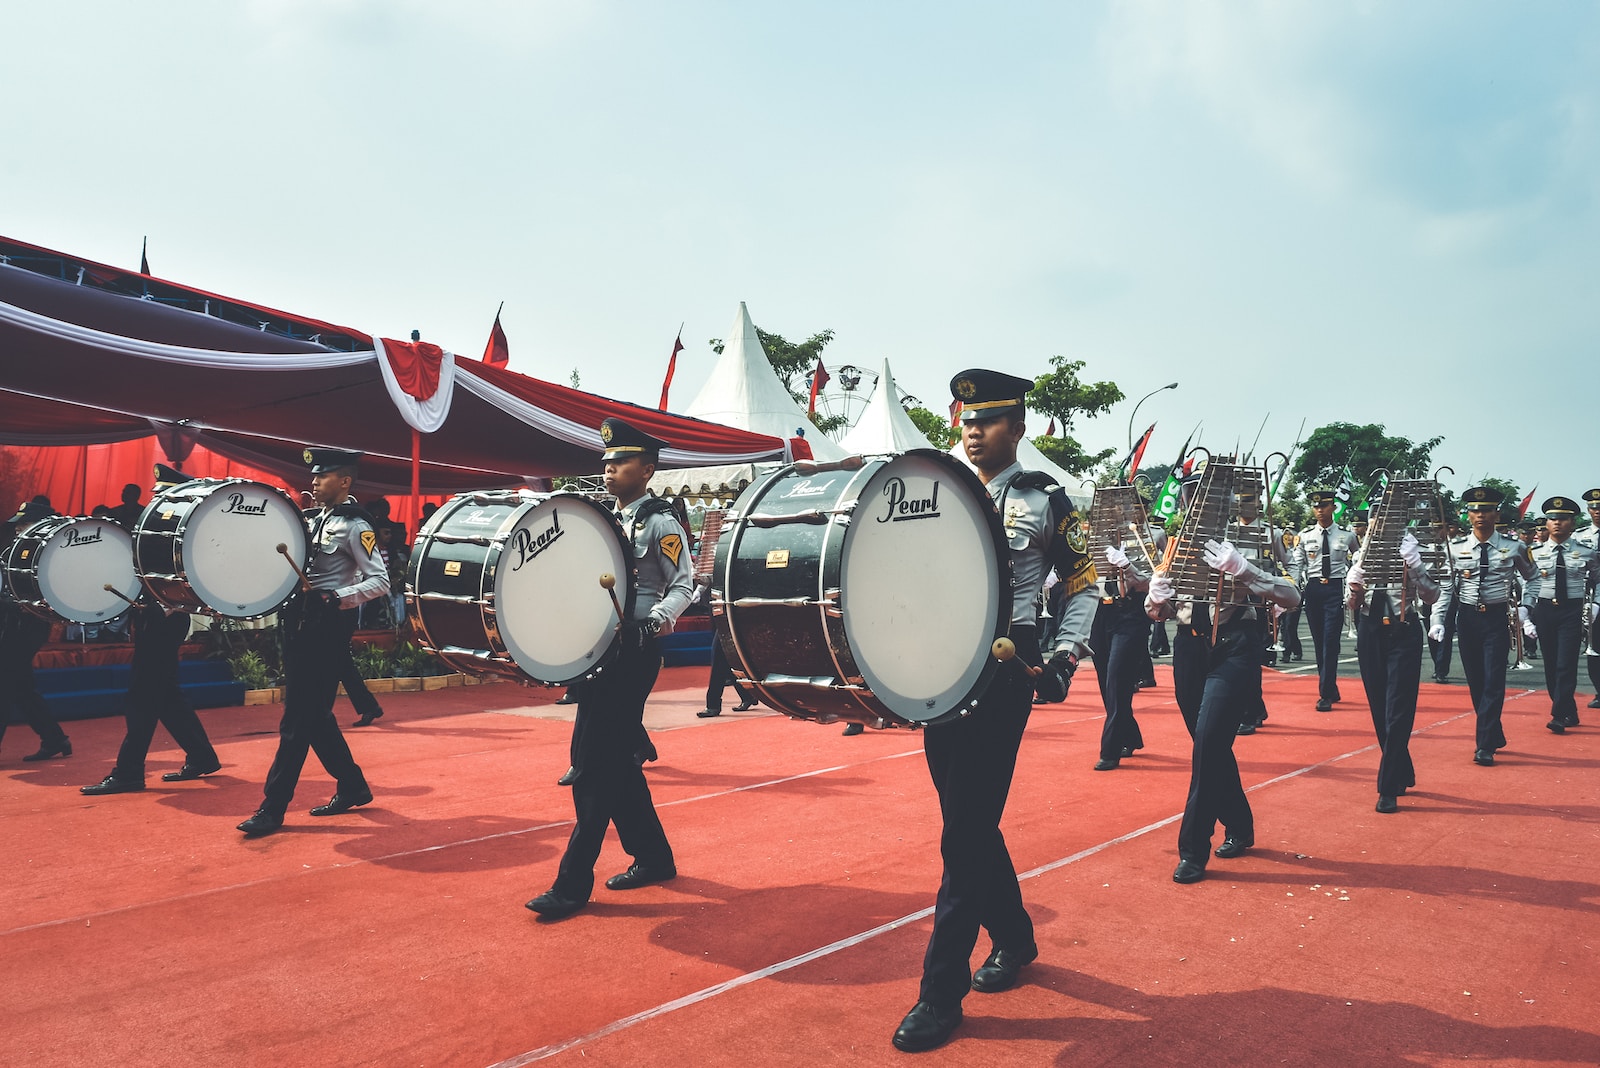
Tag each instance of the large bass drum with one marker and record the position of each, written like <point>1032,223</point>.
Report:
<point>61,566</point>
<point>210,546</point>
<point>508,583</point>
<point>868,591</point>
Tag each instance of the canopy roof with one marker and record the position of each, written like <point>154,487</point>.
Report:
<point>744,391</point>
<point>884,425</point>
<point>90,353</point>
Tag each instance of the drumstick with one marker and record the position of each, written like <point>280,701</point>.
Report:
<point>305,584</point>
<point>1005,649</point>
<point>609,581</point>
<point>112,589</point>
<point>1138,536</point>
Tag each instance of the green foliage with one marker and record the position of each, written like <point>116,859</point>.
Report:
<point>1511,497</point>
<point>1067,454</point>
<point>941,435</point>
<point>1060,395</point>
<point>1327,449</point>
<point>792,362</point>
<point>372,661</point>
<point>250,669</point>
<point>575,379</point>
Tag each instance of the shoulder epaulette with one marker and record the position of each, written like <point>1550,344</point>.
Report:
<point>1035,480</point>
<point>650,506</point>
<point>355,511</point>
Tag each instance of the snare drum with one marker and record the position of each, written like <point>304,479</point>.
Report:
<point>60,566</point>
<point>210,546</point>
<point>508,583</point>
<point>869,593</point>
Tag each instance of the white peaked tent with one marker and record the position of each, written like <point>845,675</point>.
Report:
<point>884,425</point>
<point>744,392</point>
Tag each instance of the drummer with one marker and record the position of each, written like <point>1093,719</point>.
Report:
<point>608,783</point>
<point>345,571</point>
<point>21,635</point>
<point>154,694</point>
<point>972,759</point>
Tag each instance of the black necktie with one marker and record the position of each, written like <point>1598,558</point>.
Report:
<point>1561,573</point>
<point>1327,562</point>
<point>1483,568</point>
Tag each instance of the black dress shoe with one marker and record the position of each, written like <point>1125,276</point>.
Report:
<point>261,824</point>
<point>367,718</point>
<point>1596,702</point>
<point>1127,750</point>
<point>343,803</point>
<point>569,777</point>
<point>1324,705</point>
<point>709,713</point>
<point>745,706</point>
<point>926,1027</point>
<point>1387,804</point>
<point>1439,678</point>
<point>852,728</point>
<point>1555,726</point>
<point>1233,846</point>
<point>187,772</point>
<point>564,699</point>
<point>50,749</point>
<point>638,875</point>
<point>1000,971</point>
<point>1188,871</point>
<point>1484,757</point>
<point>1107,763</point>
<point>1246,728</point>
<point>552,906</point>
<point>112,785</point>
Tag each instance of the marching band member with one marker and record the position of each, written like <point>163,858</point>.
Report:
<point>1591,538</point>
<point>1119,639</point>
<point>1321,560</point>
<point>1483,570</point>
<point>971,759</point>
<point>1553,604</point>
<point>21,635</point>
<point>345,571</point>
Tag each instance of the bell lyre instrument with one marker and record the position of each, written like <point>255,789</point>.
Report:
<point>1212,514</point>
<point>1114,511</point>
<point>1407,504</point>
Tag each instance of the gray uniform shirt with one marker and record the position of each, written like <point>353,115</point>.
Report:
<point>345,558</point>
<point>1026,515</point>
<point>1307,559</point>
<point>1419,589</point>
<point>1583,571</point>
<point>1472,584</point>
<point>663,565</point>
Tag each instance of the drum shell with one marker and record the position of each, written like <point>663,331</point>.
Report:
<point>158,552</point>
<point>27,554</point>
<point>21,557</point>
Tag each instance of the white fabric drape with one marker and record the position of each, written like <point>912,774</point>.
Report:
<point>424,415</point>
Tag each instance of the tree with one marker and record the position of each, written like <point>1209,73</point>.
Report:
<point>1327,450</point>
<point>941,435</point>
<point>794,364</point>
<point>1059,395</point>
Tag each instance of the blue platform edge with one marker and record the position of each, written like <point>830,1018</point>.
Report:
<point>690,647</point>
<point>98,690</point>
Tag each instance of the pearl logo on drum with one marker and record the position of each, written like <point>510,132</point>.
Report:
<point>804,488</point>
<point>73,537</point>
<point>901,506</point>
<point>238,506</point>
<point>529,545</point>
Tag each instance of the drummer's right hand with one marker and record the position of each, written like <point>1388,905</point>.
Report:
<point>1160,591</point>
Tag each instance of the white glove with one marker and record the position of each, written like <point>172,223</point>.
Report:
<point>1357,576</point>
<point>1278,611</point>
<point>1160,591</point>
<point>1436,632</point>
<point>1529,629</point>
<point>1116,557</point>
<point>1522,614</point>
<point>1225,558</point>
<point>1410,552</point>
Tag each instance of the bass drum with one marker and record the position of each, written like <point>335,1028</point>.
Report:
<point>211,546</point>
<point>508,584</point>
<point>868,591</point>
<point>61,566</point>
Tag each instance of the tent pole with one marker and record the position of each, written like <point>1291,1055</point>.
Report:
<point>416,475</point>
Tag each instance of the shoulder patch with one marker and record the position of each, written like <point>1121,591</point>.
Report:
<point>671,547</point>
<point>369,541</point>
<point>1035,480</point>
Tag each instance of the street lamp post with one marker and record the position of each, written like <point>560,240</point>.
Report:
<point>1135,412</point>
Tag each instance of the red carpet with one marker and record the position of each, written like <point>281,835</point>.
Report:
<point>142,929</point>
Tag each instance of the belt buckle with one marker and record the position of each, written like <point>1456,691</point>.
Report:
<point>1483,607</point>
<point>1323,581</point>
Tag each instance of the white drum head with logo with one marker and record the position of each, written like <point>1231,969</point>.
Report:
<point>76,565</point>
<point>919,587</point>
<point>230,549</point>
<point>555,619</point>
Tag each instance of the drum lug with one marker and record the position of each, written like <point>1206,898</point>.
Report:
<point>830,605</point>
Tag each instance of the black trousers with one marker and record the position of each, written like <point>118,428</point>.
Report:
<point>1441,650</point>
<point>1159,646</point>
<point>721,678</point>
<point>1485,644</point>
<point>155,696</point>
<point>1324,609</point>
<point>1289,632</point>
<point>21,635</point>
<point>1118,637</point>
<point>611,788</point>
<point>1560,626</point>
<point>315,649</point>
<point>971,761</point>
<point>1216,688</point>
<point>355,687</point>
<point>1390,654</point>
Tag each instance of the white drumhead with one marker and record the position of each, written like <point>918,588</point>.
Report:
<point>230,554</point>
<point>555,619</point>
<point>919,587</point>
<point>76,564</point>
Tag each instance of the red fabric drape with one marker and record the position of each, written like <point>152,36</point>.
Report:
<point>416,366</point>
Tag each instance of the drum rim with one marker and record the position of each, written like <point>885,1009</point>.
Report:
<point>42,605</point>
<point>426,537</point>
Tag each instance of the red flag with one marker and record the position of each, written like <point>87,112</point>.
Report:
<point>1522,510</point>
<point>672,369</point>
<point>1138,453</point>
<point>955,412</point>
<point>1050,431</point>
<point>818,379</point>
<point>497,353</point>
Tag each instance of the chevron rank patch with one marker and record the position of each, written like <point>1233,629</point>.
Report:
<point>369,541</point>
<point>672,547</point>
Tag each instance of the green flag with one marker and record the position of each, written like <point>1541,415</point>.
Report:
<point>1341,495</point>
<point>1166,505</point>
<point>1375,493</point>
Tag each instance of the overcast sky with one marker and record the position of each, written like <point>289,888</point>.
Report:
<point>1360,212</point>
